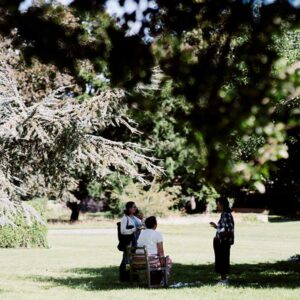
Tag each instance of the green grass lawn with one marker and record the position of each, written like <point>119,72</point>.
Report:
<point>86,266</point>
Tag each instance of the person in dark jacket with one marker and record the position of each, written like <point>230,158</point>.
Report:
<point>223,239</point>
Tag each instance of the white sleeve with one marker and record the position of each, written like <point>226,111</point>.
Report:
<point>158,237</point>
<point>140,241</point>
<point>125,231</point>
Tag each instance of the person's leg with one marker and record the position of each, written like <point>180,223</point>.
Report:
<point>218,254</point>
<point>122,268</point>
<point>225,261</point>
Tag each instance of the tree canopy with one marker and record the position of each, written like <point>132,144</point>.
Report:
<point>224,70</point>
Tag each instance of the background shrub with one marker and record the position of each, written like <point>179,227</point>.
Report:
<point>152,201</point>
<point>22,225</point>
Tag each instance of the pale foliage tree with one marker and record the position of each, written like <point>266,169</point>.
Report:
<point>45,145</point>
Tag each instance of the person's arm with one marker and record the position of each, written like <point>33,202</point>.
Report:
<point>213,224</point>
<point>160,249</point>
<point>124,230</point>
<point>160,252</point>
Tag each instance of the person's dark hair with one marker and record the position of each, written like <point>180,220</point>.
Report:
<point>225,203</point>
<point>150,222</point>
<point>128,206</point>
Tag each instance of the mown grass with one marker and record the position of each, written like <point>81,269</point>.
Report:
<point>86,266</point>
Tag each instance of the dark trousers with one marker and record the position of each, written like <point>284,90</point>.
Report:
<point>124,276</point>
<point>222,257</point>
<point>122,269</point>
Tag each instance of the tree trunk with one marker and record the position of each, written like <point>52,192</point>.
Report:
<point>74,206</point>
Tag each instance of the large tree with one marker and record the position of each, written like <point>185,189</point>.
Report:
<point>220,56</point>
<point>48,144</point>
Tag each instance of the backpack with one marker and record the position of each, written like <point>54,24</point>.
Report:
<point>124,239</point>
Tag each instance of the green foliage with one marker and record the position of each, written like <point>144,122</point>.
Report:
<point>219,56</point>
<point>107,189</point>
<point>23,234</point>
<point>169,139</point>
<point>287,45</point>
<point>95,189</point>
<point>208,195</point>
<point>57,211</point>
<point>222,63</point>
<point>152,201</point>
<point>21,225</point>
<point>213,120</point>
<point>40,205</point>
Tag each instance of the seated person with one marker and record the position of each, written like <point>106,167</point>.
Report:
<point>153,241</point>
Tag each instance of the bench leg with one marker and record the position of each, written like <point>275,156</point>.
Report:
<point>165,278</point>
<point>149,278</point>
<point>131,275</point>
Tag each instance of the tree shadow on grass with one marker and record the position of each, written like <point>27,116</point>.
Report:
<point>282,219</point>
<point>58,221</point>
<point>282,274</point>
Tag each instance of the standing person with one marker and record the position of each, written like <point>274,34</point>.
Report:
<point>130,227</point>
<point>223,240</point>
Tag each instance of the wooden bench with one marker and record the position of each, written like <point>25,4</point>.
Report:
<point>139,263</point>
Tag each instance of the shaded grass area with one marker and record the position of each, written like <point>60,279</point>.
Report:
<point>282,219</point>
<point>281,274</point>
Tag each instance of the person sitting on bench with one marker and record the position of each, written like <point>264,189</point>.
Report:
<point>153,241</point>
